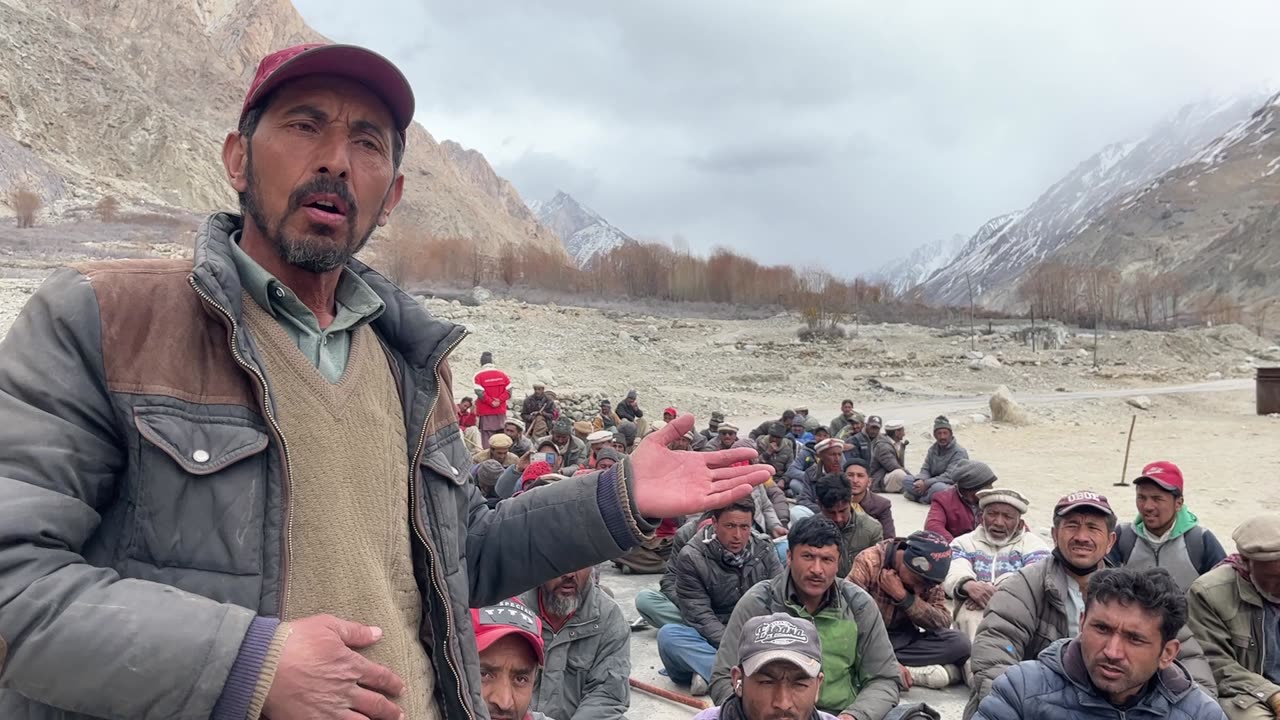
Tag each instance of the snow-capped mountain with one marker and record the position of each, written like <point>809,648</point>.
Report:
<point>905,273</point>
<point>994,260</point>
<point>1212,222</point>
<point>584,233</point>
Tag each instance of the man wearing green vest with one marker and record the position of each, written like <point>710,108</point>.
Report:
<point>860,672</point>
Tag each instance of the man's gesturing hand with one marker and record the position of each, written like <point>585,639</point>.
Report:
<point>668,483</point>
<point>321,676</point>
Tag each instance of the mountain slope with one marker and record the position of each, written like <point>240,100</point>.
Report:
<point>907,272</point>
<point>1212,221</point>
<point>585,234</point>
<point>994,261</point>
<point>133,98</point>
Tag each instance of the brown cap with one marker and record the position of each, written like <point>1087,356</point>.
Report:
<point>1083,499</point>
<point>1258,538</point>
<point>582,427</point>
<point>500,441</point>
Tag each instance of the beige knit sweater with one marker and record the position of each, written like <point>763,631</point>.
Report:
<point>350,553</point>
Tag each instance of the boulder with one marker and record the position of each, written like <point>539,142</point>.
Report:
<point>1005,409</point>
<point>1142,402</point>
<point>990,361</point>
<point>974,354</point>
<point>1213,376</point>
<point>476,296</point>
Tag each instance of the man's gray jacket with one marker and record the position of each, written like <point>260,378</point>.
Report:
<point>144,497</point>
<point>939,462</point>
<point>588,668</point>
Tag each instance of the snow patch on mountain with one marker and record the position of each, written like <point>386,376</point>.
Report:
<point>993,261</point>
<point>584,233</point>
<point>905,273</point>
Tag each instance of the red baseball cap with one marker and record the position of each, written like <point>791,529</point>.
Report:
<point>509,617</point>
<point>362,65</point>
<point>1083,499</point>
<point>1163,473</point>
<point>670,410</point>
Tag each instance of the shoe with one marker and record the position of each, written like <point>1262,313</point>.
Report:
<point>698,687</point>
<point>935,677</point>
<point>640,624</point>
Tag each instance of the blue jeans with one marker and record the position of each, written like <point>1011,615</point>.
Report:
<point>909,491</point>
<point>685,652</point>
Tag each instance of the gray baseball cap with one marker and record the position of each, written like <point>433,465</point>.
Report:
<point>780,637</point>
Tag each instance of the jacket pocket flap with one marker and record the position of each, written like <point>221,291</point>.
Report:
<point>201,446</point>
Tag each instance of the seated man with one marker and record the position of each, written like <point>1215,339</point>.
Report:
<point>514,429</point>
<point>1042,602</point>
<point>954,511</point>
<point>499,449</point>
<point>509,639</point>
<point>889,458</point>
<point>588,649</point>
<point>843,420</point>
<point>858,530</point>
<point>779,672</point>
<point>486,476</point>
<point>573,452</point>
<point>935,474</point>
<point>1123,664</point>
<point>776,449</point>
<point>669,414</point>
<point>858,436</point>
<point>1166,534</point>
<point>1233,611</point>
<point>1000,546</point>
<point>855,471</point>
<point>717,417</point>
<point>582,430</point>
<point>658,607</point>
<point>711,573</point>
<point>860,673</point>
<point>830,462</point>
<point>905,578</point>
<point>596,441</point>
<point>606,419</point>
<point>763,428</point>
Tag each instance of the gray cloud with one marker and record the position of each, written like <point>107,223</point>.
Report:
<point>846,131</point>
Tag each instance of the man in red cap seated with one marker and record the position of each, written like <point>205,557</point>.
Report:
<point>509,638</point>
<point>1166,534</point>
<point>669,414</point>
<point>245,466</point>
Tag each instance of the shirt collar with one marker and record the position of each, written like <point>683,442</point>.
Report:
<point>352,294</point>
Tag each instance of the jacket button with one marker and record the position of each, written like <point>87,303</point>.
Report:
<point>200,456</point>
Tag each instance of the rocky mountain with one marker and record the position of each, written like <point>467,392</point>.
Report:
<point>585,234</point>
<point>907,272</point>
<point>993,260</point>
<point>1213,221</point>
<point>133,98</point>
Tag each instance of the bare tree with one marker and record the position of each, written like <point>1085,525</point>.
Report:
<point>107,209</point>
<point>26,203</point>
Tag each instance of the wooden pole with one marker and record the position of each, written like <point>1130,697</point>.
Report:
<point>1124,472</point>
<point>671,695</point>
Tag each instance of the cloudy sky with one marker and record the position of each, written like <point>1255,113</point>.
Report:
<point>839,134</point>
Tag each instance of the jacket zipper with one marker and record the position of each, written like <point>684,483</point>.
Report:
<point>417,529</point>
<point>275,426</point>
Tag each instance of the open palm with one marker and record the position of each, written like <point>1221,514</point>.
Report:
<point>670,483</point>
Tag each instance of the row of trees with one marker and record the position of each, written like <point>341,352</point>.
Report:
<point>635,270</point>
<point>1085,295</point>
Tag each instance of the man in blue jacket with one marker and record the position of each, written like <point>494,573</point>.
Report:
<point>1123,663</point>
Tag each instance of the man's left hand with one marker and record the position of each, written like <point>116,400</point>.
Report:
<point>892,585</point>
<point>779,532</point>
<point>919,487</point>
<point>670,483</point>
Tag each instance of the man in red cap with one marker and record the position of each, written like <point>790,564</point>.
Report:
<point>245,469</point>
<point>509,639</point>
<point>1166,534</point>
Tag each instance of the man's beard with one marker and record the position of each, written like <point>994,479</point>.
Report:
<point>313,254</point>
<point>559,605</point>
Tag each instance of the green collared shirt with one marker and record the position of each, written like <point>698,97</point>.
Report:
<point>326,349</point>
